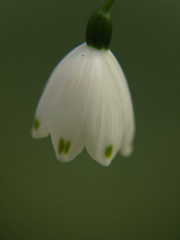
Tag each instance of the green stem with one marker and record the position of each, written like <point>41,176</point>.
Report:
<point>106,7</point>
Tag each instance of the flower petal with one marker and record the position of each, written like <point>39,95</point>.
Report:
<point>104,121</point>
<point>128,113</point>
<point>70,108</point>
<point>41,120</point>
<point>45,106</point>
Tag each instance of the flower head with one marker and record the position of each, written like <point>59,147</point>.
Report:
<point>87,103</point>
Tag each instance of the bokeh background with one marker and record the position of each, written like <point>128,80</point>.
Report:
<point>136,197</point>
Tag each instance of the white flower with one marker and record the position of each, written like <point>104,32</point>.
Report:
<point>87,103</point>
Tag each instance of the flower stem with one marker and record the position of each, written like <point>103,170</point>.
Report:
<point>106,7</point>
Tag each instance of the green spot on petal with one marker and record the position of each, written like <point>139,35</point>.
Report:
<point>67,146</point>
<point>108,151</point>
<point>61,146</point>
<point>35,124</point>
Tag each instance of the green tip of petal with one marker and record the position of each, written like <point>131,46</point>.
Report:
<point>67,146</point>
<point>61,146</point>
<point>35,124</point>
<point>108,151</point>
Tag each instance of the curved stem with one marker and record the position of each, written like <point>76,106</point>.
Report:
<point>106,7</point>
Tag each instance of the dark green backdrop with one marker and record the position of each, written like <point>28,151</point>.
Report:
<point>134,198</point>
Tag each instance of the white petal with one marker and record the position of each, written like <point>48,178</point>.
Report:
<point>70,108</point>
<point>104,121</point>
<point>128,113</point>
<point>46,105</point>
<point>48,99</point>
<point>41,121</point>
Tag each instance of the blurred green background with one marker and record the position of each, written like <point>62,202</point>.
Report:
<point>136,197</point>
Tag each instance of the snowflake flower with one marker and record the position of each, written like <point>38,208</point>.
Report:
<point>86,102</point>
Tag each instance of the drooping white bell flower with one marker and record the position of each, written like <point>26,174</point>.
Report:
<point>86,102</point>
